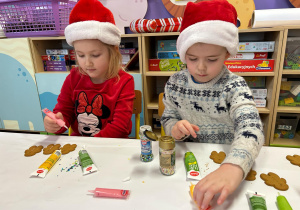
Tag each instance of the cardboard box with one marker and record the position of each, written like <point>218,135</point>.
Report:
<point>127,51</point>
<point>55,57</point>
<point>259,93</point>
<point>256,82</point>
<point>57,51</point>
<point>166,45</point>
<point>257,46</point>
<point>56,68</point>
<point>250,65</point>
<point>166,65</point>
<point>260,102</point>
<point>167,54</point>
<point>250,56</point>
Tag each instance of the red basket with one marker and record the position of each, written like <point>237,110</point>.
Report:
<point>27,18</point>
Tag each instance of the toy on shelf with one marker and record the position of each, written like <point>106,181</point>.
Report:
<point>156,25</point>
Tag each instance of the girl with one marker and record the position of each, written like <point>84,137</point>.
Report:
<point>96,98</point>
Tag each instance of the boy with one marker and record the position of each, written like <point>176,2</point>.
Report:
<point>208,103</point>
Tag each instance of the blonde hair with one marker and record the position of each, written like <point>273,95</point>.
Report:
<point>115,62</point>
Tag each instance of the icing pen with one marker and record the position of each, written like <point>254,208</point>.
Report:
<point>50,114</point>
<point>282,203</point>
<point>192,186</point>
<point>110,193</point>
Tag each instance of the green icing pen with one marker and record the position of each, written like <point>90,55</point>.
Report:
<point>191,166</point>
<point>86,162</point>
<point>282,203</point>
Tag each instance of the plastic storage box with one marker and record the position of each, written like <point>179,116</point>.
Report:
<point>286,125</point>
<point>289,93</point>
<point>292,54</point>
<point>27,18</point>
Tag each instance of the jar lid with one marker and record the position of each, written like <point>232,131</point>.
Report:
<point>166,142</point>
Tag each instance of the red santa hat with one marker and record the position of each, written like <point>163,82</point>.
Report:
<point>211,22</point>
<point>89,19</point>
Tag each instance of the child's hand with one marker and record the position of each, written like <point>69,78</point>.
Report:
<point>50,125</point>
<point>183,128</point>
<point>224,180</point>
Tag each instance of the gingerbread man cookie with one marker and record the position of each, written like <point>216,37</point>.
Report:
<point>251,176</point>
<point>51,148</point>
<point>295,159</point>
<point>68,148</point>
<point>275,181</point>
<point>33,150</point>
<point>217,157</point>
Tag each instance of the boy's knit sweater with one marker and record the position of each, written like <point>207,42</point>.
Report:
<point>222,108</point>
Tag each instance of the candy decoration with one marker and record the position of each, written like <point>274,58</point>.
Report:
<point>156,25</point>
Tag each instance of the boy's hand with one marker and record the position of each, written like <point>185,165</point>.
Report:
<point>224,180</point>
<point>50,125</point>
<point>183,128</point>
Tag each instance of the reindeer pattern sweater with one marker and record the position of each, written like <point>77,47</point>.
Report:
<point>222,108</point>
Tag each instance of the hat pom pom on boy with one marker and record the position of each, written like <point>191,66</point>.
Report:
<point>210,22</point>
<point>89,19</point>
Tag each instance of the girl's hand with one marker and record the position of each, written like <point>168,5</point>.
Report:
<point>50,124</point>
<point>183,128</point>
<point>224,180</point>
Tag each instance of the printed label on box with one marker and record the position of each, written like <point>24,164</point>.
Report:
<point>166,45</point>
<point>166,65</point>
<point>250,65</point>
<point>167,54</point>
<point>249,56</point>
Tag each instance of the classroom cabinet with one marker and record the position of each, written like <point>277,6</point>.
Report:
<point>154,80</point>
<point>285,124</point>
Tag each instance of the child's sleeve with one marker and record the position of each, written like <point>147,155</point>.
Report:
<point>120,126</point>
<point>171,115</point>
<point>248,136</point>
<point>65,104</point>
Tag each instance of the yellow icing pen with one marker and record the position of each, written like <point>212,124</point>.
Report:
<point>47,165</point>
<point>282,203</point>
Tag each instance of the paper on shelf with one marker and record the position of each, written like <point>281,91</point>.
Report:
<point>275,17</point>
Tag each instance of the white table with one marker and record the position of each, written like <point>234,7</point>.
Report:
<point>117,159</point>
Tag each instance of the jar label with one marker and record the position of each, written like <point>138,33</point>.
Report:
<point>146,147</point>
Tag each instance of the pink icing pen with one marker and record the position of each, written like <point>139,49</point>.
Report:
<point>110,193</point>
<point>50,114</point>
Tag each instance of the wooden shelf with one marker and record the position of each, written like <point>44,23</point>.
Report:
<point>281,142</point>
<point>243,74</point>
<point>288,109</point>
<point>285,71</point>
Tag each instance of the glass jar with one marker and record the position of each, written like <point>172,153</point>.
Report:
<point>167,155</point>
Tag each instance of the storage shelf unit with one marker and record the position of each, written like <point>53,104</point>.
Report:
<point>293,31</point>
<point>154,80</point>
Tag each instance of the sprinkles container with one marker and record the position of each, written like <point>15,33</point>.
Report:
<point>146,144</point>
<point>167,155</point>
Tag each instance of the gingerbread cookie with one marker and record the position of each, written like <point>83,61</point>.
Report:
<point>251,176</point>
<point>33,150</point>
<point>68,148</point>
<point>217,157</point>
<point>50,149</point>
<point>274,180</point>
<point>295,159</point>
